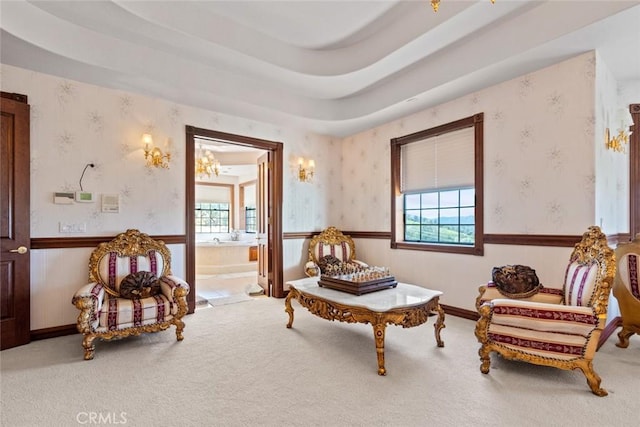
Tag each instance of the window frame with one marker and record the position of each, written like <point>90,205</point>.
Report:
<point>228,211</point>
<point>397,197</point>
<point>231,203</point>
<point>438,209</point>
<point>254,217</point>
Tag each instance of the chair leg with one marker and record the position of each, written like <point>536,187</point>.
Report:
<point>624,335</point>
<point>179,329</point>
<point>89,347</point>
<point>593,379</point>
<point>485,358</point>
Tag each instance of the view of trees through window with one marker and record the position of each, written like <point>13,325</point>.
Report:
<point>250,219</point>
<point>441,216</point>
<point>212,217</point>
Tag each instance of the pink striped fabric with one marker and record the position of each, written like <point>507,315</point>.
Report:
<point>341,251</point>
<point>112,314</point>
<point>632,261</point>
<point>120,313</point>
<point>555,314</point>
<point>153,261</point>
<point>113,262</point>
<point>560,348</point>
<point>580,283</point>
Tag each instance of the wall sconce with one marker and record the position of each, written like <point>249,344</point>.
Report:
<point>305,174</point>
<point>206,163</point>
<point>619,141</point>
<point>154,155</point>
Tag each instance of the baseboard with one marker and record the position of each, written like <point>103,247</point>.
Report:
<point>460,312</point>
<point>57,331</point>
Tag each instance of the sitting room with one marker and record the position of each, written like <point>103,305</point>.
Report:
<point>369,175</point>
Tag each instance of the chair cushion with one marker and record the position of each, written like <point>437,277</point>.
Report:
<point>113,268</point>
<point>121,313</point>
<point>630,274</point>
<point>579,283</point>
<point>544,317</point>
<point>141,284</point>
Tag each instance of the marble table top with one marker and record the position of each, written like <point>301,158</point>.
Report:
<point>403,295</point>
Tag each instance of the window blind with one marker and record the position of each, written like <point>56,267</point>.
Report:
<point>443,161</point>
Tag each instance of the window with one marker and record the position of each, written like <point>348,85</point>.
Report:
<point>250,219</point>
<point>437,180</point>
<point>440,216</point>
<point>212,217</point>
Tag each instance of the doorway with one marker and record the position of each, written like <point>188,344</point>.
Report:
<point>270,257</point>
<point>225,223</point>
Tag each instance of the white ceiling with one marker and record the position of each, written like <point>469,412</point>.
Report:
<point>333,67</point>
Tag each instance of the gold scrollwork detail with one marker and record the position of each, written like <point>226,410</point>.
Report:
<point>331,236</point>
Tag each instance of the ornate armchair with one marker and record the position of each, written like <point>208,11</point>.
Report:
<point>561,328</point>
<point>332,242</point>
<point>626,289</point>
<point>116,303</point>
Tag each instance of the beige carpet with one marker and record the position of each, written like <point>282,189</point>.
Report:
<point>240,366</point>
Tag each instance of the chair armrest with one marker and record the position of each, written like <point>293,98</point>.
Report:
<point>174,287</point>
<point>490,292</point>
<point>93,292</point>
<point>311,269</point>
<point>360,263</point>
<point>88,299</point>
<point>539,316</point>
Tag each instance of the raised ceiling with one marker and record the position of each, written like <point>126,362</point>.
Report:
<point>333,67</point>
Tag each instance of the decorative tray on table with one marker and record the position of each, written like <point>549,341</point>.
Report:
<point>364,281</point>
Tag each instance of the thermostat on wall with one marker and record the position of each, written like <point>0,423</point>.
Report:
<point>84,197</point>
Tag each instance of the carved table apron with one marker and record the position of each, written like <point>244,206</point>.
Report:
<point>405,305</point>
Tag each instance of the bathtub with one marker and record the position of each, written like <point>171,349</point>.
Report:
<point>226,256</point>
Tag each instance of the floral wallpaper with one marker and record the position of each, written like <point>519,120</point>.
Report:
<point>539,166</point>
<point>74,124</point>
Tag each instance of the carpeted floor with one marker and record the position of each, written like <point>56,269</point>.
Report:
<point>240,366</point>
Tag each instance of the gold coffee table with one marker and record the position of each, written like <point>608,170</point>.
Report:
<point>405,305</point>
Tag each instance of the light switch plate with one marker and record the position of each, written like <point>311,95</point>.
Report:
<point>71,227</point>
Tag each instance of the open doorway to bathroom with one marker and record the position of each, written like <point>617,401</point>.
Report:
<point>226,223</point>
<point>221,211</point>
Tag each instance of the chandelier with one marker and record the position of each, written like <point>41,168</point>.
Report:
<point>206,163</point>
<point>435,4</point>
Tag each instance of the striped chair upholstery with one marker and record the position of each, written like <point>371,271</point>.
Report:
<point>330,241</point>
<point>558,328</point>
<point>105,315</point>
<point>626,289</point>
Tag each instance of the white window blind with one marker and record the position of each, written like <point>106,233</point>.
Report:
<point>212,194</point>
<point>443,161</point>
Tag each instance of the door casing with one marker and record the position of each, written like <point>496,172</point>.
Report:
<point>275,202</point>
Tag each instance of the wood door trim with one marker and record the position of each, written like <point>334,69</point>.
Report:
<point>634,171</point>
<point>277,149</point>
<point>15,97</point>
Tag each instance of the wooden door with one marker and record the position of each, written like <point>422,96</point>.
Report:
<point>263,214</point>
<point>14,222</point>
